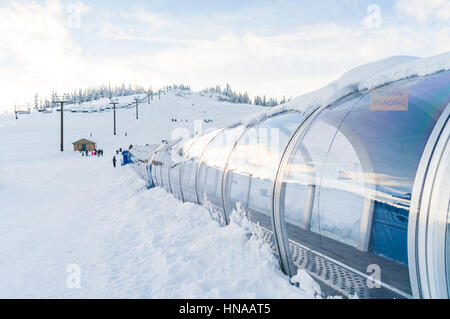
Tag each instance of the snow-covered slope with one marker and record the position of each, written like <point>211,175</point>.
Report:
<point>103,103</point>
<point>62,209</point>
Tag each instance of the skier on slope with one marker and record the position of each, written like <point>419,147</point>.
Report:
<point>114,161</point>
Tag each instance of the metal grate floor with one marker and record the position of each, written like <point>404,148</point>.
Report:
<point>337,277</point>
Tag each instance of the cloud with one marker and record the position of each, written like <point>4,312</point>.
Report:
<point>275,63</point>
<point>427,10</point>
<point>38,52</point>
<point>109,30</point>
<point>288,63</point>
<point>34,39</point>
<point>150,19</point>
<point>149,27</point>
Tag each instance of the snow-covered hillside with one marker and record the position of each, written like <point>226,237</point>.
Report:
<point>62,209</point>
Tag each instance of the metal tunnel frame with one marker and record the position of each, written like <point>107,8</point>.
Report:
<point>277,217</point>
<point>425,261</point>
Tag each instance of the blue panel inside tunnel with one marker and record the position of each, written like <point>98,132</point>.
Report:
<point>390,232</point>
<point>149,177</point>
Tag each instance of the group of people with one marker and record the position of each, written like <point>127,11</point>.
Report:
<point>114,160</point>
<point>97,153</point>
<point>176,120</point>
<point>182,120</point>
<point>118,152</point>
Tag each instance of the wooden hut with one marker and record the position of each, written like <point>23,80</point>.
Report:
<point>84,145</point>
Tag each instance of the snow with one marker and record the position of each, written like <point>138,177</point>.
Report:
<point>364,77</point>
<point>61,211</point>
<point>305,282</point>
<point>104,102</point>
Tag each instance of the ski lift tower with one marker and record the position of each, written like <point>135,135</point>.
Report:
<point>114,102</point>
<point>61,100</point>
<point>136,100</point>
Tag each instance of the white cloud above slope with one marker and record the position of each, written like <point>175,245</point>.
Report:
<point>39,52</point>
<point>425,10</point>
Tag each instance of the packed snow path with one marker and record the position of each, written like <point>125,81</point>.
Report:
<point>128,241</point>
<point>62,209</point>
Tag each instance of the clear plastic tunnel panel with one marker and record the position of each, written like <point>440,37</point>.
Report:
<point>176,158</point>
<point>141,165</point>
<point>156,165</point>
<point>447,236</point>
<point>153,166</point>
<point>148,169</point>
<point>209,186</point>
<point>428,227</point>
<point>436,87</point>
<point>301,181</point>
<point>347,186</point>
<point>438,250</point>
<point>190,165</point>
<point>165,166</point>
<point>174,180</point>
<point>253,164</point>
<point>166,159</point>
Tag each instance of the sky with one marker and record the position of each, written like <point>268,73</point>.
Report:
<point>277,48</point>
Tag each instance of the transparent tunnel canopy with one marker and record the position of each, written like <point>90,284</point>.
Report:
<point>165,160</point>
<point>253,164</point>
<point>177,154</point>
<point>355,189</point>
<point>156,166</point>
<point>142,169</point>
<point>153,167</point>
<point>428,228</point>
<point>169,158</point>
<point>190,165</point>
<point>438,231</point>
<point>301,181</point>
<point>209,184</point>
<point>346,188</point>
